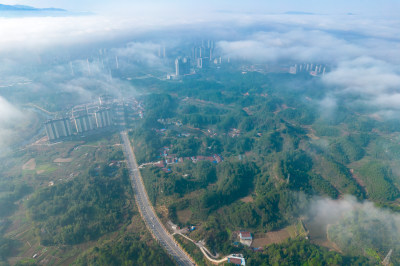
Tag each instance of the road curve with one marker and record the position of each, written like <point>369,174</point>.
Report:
<point>146,210</point>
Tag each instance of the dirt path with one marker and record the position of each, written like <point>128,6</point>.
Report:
<point>30,165</point>
<point>359,181</point>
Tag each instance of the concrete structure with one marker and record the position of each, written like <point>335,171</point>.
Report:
<point>58,128</point>
<point>182,66</point>
<point>246,238</point>
<point>103,118</point>
<point>83,123</point>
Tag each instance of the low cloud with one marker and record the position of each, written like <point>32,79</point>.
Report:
<point>10,118</point>
<point>365,75</point>
<point>297,45</point>
<point>148,53</point>
<point>8,112</point>
<point>357,227</point>
<point>370,82</point>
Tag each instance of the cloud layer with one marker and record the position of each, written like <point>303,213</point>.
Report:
<point>362,52</point>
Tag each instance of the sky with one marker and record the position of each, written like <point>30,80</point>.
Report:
<point>361,7</point>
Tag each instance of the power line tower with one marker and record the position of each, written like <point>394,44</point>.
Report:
<point>386,261</point>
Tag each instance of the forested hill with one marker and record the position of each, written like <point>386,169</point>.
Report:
<point>280,149</point>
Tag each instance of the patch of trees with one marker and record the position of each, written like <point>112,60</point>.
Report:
<point>217,235</point>
<point>234,181</point>
<point>9,197</point>
<point>300,252</point>
<point>270,211</point>
<point>295,166</point>
<point>326,130</point>
<point>301,115</point>
<point>129,250</point>
<point>159,106</point>
<point>186,147</point>
<point>147,145</point>
<point>199,120</point>
<point>361,124</point>
<point>160,184</point>
<point>346,150</point>
<point>337,175</point>
<point>80,210</point>
<point>322,186</point>
<point>6,247</point>
<point>192,249</point>
<point>377,178</point>
<point>269,143</point>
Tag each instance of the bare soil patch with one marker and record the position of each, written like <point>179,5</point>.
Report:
<point>318,235</point>
<point>29,165</point>
<point>63,160</point>
<point>247,199</point>
<point>359,181</point>
<point>270,238</point>
<point>184,215</point>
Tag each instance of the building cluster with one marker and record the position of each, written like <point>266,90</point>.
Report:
<point>168,159</point>
<point>106,113</point>
<point>312,69</point>
<point>202,56</point>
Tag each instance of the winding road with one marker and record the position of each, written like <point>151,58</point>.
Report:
<point>146,210</point>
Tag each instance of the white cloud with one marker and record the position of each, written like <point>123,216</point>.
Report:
<point>296,45</point>
<point>10,117</point>
<point>365,75</point>
<point>328,213</point>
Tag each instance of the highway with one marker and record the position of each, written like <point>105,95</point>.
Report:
<point>145,208</point>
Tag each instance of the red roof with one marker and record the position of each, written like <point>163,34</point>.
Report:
<point>236,261</point>
<point>245,234</point>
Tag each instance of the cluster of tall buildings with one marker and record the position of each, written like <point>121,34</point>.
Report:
<point>202,56</point>
<point>312,69</point>
<point>107,113</point>
<point>58,128</point>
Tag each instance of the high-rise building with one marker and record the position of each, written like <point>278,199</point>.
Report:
<point>119,115</point>
<point>182,66</point>
<point>83,123</point>
<point>103,118</point>
<point>203,62</point>
<point>58,128</point>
